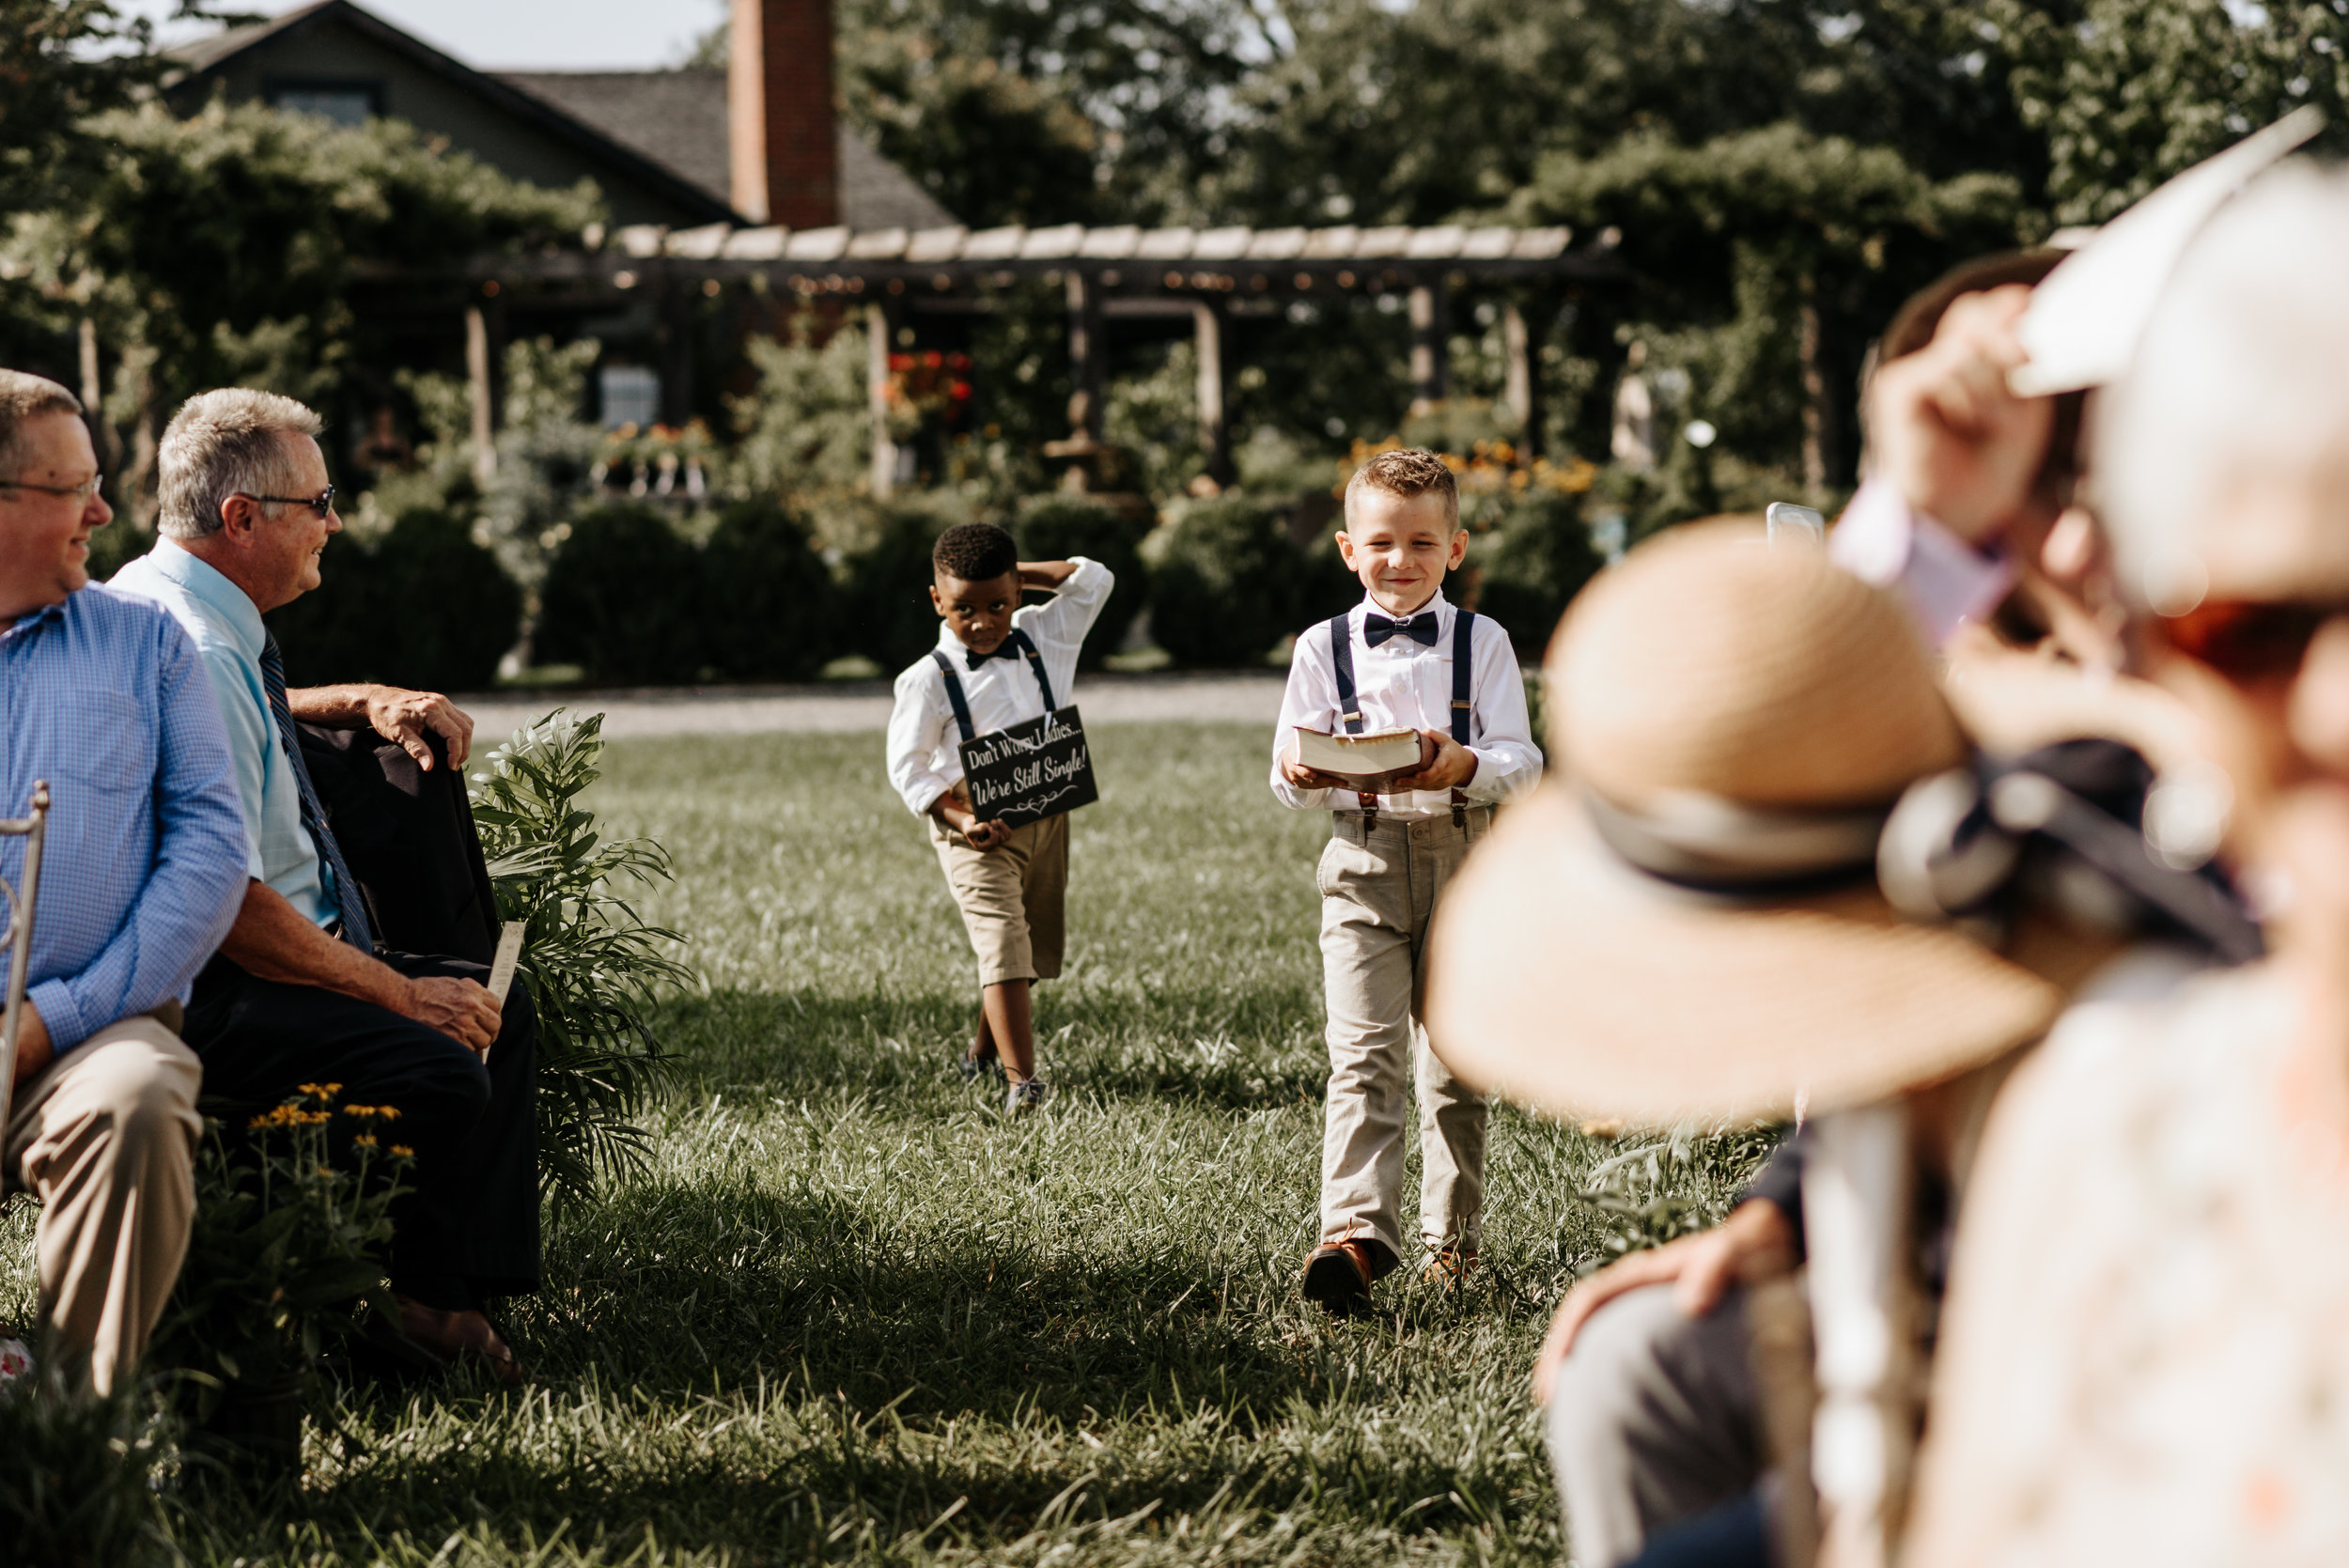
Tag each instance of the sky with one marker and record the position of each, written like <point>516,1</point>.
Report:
<point>516,35</point>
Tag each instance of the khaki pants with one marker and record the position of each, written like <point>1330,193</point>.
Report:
<point>1010,897</point>
<point>105,1138</point>
<point>1380,885</point>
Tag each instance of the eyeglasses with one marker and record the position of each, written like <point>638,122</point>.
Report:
<point>322,503</point>
<point>2249,640</point>
<point>81,492</point>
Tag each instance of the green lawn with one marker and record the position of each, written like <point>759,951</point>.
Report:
<point>848,1313</point>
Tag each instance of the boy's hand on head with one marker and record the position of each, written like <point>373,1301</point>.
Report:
<point>1046,574</point>
<point>1443,763</point>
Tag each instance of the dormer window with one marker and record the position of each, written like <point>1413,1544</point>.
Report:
<point>344,102</point>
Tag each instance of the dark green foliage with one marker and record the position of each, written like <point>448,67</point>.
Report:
<point>625,600</point>
<point>774,613</point>
<point>1055,527</point>
<point>1227,584</point>
<point>74,1481</point>
<point>892,621</point>
<point>591,964</point>
<point>425,607</point>
<point>1529,565</point>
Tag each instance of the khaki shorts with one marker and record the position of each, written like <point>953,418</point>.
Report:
<point>1010,897</point>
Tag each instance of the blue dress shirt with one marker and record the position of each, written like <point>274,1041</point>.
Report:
<point>229,636</point>
<point>143,866</point>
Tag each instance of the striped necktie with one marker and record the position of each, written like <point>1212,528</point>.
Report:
<point>356,930</point>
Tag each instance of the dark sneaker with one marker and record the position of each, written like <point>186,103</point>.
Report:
<point>1338,1275</point>
<point>1020,1098</point>
<point>973,1067</point>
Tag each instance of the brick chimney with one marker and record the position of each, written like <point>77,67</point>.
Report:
<point>779,115</point>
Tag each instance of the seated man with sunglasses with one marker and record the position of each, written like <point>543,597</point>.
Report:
<point>300,992</point>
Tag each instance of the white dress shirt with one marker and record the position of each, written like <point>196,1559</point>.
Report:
<point>1944,581</point>
<point>1403,684</point>
<point>925,759</point>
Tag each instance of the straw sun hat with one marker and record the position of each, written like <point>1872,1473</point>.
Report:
<point>1689,926</point>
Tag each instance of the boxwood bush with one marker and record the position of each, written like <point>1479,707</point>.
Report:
<point>775,612</point>
<point>625,600</point>
<point>424,607</point>
<point>1054,527</point>
<point>1529,565</point>
<point>1228,583</point>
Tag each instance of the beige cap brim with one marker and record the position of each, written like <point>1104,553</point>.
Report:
<point>1565,980</point>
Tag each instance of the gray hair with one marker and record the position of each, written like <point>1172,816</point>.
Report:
<point>23,398</point>
<point>2238,379</point>
<point>224,443</point>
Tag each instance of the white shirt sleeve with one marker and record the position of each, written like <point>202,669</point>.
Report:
<point>1944,581</point>
<point>1310,700</point>
<point>917,728</point>
<point>1508,764</point>
<point>1061,622</point>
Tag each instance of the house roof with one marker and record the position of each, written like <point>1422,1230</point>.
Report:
<point>678,119</point>
<point>203,59</point>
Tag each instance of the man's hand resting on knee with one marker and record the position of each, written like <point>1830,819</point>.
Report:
<point>1754,1243</point>
<point>271,940</point>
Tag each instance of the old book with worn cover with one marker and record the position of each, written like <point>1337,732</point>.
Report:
<point>1372,758</point>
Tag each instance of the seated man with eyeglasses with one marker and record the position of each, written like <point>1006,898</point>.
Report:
<point>300,992</point>
<point>141,864</point>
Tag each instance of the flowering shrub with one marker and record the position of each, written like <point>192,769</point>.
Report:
<point>286,1242</point>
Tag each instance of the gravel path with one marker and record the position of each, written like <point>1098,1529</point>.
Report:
<point>1246,697</point>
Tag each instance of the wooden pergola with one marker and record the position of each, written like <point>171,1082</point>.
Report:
<point>1204,274</point>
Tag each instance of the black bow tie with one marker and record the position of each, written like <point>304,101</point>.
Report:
<point>1004,649</point>
<point>1420,629</point>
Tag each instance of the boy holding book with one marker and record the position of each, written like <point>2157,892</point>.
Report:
<point>1404,660</point>
<point>996,665</point>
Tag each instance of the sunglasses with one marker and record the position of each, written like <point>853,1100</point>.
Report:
<point>322,503</point>
<point>2249,640</point>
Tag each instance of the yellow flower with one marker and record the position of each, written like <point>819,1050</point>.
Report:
<point>364,1141</point>
<point>389,1113</point>
<point>358,1111</point>
<point>403,1151</point>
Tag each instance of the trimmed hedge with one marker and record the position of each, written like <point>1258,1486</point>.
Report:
<point>425,607</point>
<point>775,612</point>
<point>1228,583</point>
<point>1054,527</point>
<point>1530,567</point>
<point>624,600</point>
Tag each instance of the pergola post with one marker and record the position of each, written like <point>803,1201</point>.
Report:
<point>1214,432</point>
<point>677,336</point>
<point>1431,345</point>
<point>1522,391</point>
<point>1087,351</point>
<point>483,392</point>
<point>880,334</point>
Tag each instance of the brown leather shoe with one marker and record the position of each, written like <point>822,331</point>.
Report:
<point>460,1336</point>
<point>1338,1275</point>
<point>1451,1265</point>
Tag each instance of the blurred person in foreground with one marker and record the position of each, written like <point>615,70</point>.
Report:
<point>301,992</point>
<point>1781,877</point>
<point>142,861</point>
<point>2147,1344</point>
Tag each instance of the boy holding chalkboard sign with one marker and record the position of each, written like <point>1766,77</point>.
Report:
<point>985,743</point>
<point>1405,718</point>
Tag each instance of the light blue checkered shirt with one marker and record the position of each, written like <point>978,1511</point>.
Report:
<point>228,638</point>
<point>143,866</point>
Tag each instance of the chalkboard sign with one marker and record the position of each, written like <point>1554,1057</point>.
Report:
<point>1030,771</point>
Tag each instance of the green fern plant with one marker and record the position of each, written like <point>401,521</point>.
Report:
<point>593,965</point>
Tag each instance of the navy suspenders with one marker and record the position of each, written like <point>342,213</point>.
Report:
<point>1019,639</point>
<point>1350,706</point>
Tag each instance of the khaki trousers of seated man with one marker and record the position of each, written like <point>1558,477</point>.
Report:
<point>105,1138</point>
<point>1379,882</point>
